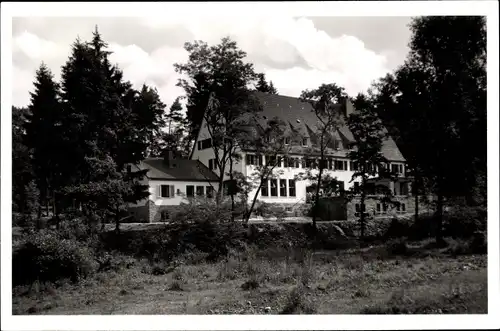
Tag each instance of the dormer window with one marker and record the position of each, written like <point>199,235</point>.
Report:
<point>287,140</point>
<point>304,142</point>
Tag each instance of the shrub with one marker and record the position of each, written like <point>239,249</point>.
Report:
<point>463,222</point>
<point>297,302</point>
<point>397,247</point>
<point>479,243</point>
<point>261,208</point>
<point>46,256</point>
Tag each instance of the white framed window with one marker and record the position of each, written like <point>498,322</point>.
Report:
<point>166,191</point>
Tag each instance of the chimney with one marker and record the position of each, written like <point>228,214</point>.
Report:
<point>347,106</point>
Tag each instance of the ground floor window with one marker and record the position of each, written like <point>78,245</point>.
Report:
<point>274,188</point>
<point>291,187</point>
<point>200,190</point>
<point>210,191</point>
<point>190,190</point>
<point>265,188</point>
<point>166,191</point>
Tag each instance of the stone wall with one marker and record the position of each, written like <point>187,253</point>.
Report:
<point>392,211</point>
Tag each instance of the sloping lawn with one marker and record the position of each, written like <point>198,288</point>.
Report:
<point>260,282</point>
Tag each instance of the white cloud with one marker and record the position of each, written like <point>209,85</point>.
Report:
<point>292,52</point>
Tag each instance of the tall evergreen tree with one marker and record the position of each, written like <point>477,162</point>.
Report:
<point>149,118</point>
<point>102,133</point>
<point>174,137</point>
<point>25,194</point>
<point>43,131</point>
<point>263,86</point>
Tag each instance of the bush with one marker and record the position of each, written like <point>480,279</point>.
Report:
<point>47,257</point>
<point>463,222</point>
<point>397,247</point>
<point>297,302</point>
<point>261,208</point>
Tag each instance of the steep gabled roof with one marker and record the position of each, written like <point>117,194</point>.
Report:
<point>300,115</point>
<point>187,170</point>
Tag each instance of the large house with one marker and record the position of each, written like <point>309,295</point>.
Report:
<point>289,193</point>
<point>173,180</point>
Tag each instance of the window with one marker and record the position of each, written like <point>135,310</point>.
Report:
<point>384,207</point>
<point>359,208</point>
<point>274,187</point>
<point>403,207</point>
<point>353,166</point>
<point>251,159</point>
<point>265,189</point>
<point>336,144</point>
<point>190,190</point>
<point>323,164</point>
<point>340,165</point>
<point>310,163</point>
<point>291,187</point>
<point>204,144</point>
<point>379,209</point>
<point>287,140</point>
<point>200,190</point>
<point>397,168</point>
<point>304,142</point>
<point>295,162</point>
<point>211,164</point>
<point>282,187</point>
<point>255,160</point>
<point>166,191</point>
<point>271,160</point>
<point>210,191</point>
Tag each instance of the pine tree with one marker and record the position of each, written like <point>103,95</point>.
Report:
<point>101,131</point>
<point>43,132</point>
<point>263,86</point>
<point>25,194</point>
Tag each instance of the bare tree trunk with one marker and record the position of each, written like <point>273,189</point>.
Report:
<point>439,217</point>
<point>416,191</point>
<point>254,200</point>
<point>362,208</point>
<point>231,178</point>
<point>316,201</point>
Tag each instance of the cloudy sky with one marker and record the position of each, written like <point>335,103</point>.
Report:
<point>295,53</point>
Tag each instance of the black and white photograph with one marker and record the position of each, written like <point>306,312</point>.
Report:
<point>270,164</point>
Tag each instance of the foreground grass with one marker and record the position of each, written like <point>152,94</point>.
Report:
<point>259,282</point>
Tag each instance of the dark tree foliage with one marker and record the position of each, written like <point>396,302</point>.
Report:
<point>217,70</point>
<point>217,92</point>
<point>175,139</point>
<point>25,197</point>
<point>43,131</point>
<point>329,118</point>
<point>107,126</point>
<point>435,106</point>
<point>264,86</point>
<point>369,134</point>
